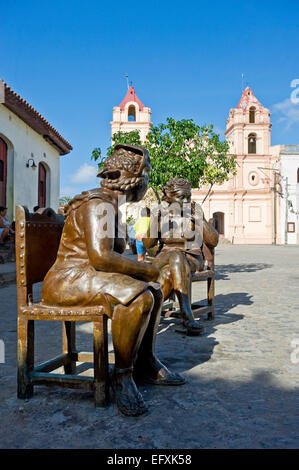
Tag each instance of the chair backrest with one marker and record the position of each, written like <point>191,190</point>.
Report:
<point>37,242</point>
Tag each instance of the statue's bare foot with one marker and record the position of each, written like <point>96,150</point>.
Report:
<point>154,372</point>
<point>128,399</point>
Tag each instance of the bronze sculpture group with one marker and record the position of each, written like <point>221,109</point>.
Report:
<point>91,270</point>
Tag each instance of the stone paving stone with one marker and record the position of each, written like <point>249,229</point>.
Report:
<point>242,389</point>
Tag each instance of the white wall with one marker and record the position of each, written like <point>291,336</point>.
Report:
<point>22,182</point>
<point>289,164</point>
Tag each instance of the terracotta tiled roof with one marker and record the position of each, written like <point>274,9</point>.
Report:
<point>131,96</point>
<point>35,120</point>
<point>248,99</point>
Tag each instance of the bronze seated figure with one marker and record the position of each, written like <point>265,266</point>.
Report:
<point>91,270</point>
<point>175,260</point>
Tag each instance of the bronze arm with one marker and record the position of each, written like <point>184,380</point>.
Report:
<point>101,252</point>
<point>210,234</point>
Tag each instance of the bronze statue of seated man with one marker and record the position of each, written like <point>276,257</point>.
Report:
<point>91,270</point>
<point>175,260</point>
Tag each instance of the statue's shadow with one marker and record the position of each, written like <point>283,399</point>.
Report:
<point>181,352</point>
<point>223,270</point>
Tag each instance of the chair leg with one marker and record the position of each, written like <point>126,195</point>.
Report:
<point>190,291</point>
<point>69,345</point>
<point>101,372</point>
<point>211,295</point>
<point>25,356</point>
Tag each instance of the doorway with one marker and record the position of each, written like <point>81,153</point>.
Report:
<point>219,222</point>
<point>42,185</point>
<point>3,172</point>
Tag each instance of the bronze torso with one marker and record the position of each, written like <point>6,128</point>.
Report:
<point>74,279</point>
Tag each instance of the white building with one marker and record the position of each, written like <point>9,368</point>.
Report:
<point>30,150</point>
<point>287,184</point>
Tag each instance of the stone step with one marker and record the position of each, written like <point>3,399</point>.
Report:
<point>224,241</point>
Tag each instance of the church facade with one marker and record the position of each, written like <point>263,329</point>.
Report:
<point>30,150</point>
<point>260,204</point>
<point>246,208</point>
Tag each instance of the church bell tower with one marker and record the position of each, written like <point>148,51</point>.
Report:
<point>131,115</point>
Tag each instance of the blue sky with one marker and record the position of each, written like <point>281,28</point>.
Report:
<point>69,60</point>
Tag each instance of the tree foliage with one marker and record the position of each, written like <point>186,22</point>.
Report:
<point>64,200</point>
<point>184,149</point>
<point>120,137</point>
<point>181,149</point>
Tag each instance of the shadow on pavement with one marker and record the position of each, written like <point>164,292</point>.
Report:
<point>200,348</point>
<point>222,270</point>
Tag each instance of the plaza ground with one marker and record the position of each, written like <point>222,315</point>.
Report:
<point>242,387</point>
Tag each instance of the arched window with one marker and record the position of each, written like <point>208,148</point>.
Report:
<point>252,143</point>
<point>252,115</point>
<point>42,185</point>
<point>131,113</point>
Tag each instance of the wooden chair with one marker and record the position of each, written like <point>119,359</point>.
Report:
<point>208,274</point>
<point>37,241</point>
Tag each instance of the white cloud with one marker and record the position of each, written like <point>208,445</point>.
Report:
<point>289,112</point>
<point>84,174</point>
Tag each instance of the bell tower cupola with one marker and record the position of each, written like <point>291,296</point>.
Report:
<point>248,127</point>
<point>131,115</point>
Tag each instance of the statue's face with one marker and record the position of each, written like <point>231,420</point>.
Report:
<point>181,198</point>
<point>178,196</point>
<point>136,194</point>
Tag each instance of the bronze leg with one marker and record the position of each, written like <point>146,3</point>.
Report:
<point>181,273</point>
<point>147,348</point>
<point>147,366</point>
<point>25,356</point>
<point>69,345</point>
<point>128,328</point>
<point>100,350</point>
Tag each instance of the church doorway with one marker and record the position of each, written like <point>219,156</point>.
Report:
<point>3,172</point>
<point>219,222</point>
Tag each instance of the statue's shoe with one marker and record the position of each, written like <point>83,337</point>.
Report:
<point>191,328</point>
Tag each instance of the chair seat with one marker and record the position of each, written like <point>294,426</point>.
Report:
<point>38,310</point>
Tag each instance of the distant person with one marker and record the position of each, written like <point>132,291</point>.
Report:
<point>141,227</point>
<point>5,225</point>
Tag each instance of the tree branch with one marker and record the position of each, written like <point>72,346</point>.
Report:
<point>208,193</point>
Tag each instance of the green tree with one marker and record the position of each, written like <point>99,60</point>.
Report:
<point>132,137</point>
<point>64,200</point>
<point>183,149</point>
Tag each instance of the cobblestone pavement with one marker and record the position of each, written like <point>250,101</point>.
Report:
<point>242,386</point>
